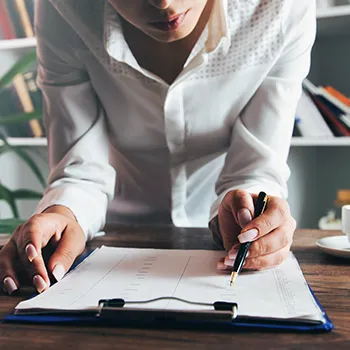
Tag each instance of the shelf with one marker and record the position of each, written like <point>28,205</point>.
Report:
<point>17,44</point>
<point>26,141</point>
<point>333,21</point>
<point>296,141</point>
<point>336,141</point>
<point>335,11</point>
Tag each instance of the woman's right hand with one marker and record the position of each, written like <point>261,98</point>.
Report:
<point>58,232</point>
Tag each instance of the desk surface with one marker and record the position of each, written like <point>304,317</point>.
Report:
<point>329,278</point>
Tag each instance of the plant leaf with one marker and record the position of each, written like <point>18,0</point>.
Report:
<point>21,118</point>
<point>19,67</point>
<point>27,159</point>
<point>6,195</point>
<point>23,193</point>
<point>9,225</point>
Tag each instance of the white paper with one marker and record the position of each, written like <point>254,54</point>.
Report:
<point>143,274</point>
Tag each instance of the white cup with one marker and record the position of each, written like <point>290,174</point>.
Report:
<point>345,219</point>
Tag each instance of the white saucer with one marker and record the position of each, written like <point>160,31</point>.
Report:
<point>336,245</point>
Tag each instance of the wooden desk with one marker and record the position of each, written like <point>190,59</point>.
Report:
<point>329,277</point>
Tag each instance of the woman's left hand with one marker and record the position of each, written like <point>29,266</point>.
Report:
<point>271,232</point>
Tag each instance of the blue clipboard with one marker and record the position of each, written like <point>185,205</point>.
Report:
<point>239,323</point>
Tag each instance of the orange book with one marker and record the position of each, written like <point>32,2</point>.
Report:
<point>342,98</point>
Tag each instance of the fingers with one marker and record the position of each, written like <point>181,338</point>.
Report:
<point>71,245</point>
<point>271,233</point>
<point>30,238</point>
<point>33,235</point>
<point>276,214</point>
<point>235,213</point>
<point>49,231</point>
<point>8,276</point>
<point>271,243</point>
<point>256,263</point>
<point>267,261</point>
<point>265,252</point>
<point>240,204</point>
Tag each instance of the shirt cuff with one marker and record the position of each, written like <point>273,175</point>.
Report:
<point>88,208</point>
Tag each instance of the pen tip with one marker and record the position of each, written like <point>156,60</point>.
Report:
<point>233,278</point>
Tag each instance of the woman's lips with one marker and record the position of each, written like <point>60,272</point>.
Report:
<point>170,25</point>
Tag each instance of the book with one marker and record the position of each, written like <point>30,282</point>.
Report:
<point>35,94</point>
<point>338,114</point>
<point>332,115</point>
<point>118,285</point>
<point>338,95</point>
<point>30,9</point>
<point>27,103</point>
<point>310,121</point>
<point>23,27</point>
<point>15,18</point>
<point>10,104</point>
<point>296,130</point>
<point>320,91</point>
<point>5,22</point>
<point>24,18</point>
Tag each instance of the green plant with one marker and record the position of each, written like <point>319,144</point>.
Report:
<point>10,196</point>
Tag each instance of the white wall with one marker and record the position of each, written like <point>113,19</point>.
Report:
<point>316,175</point>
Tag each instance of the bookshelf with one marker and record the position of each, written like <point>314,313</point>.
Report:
<point>311,142</point>
<point>333,12</point>
<point>319,167</point>
<point>296,142</point>
<point>17,44</point>
<point>26,141</point>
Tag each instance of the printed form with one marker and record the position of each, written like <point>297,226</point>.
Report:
<point>143,274</point>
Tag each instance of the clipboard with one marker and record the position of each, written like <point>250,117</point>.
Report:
<point>223,316</point>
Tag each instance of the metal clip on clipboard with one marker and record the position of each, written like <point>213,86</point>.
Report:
<point>113,310</point>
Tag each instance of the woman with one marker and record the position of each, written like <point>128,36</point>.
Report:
<point>182,111</point>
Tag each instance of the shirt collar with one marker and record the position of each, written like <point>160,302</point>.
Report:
<point>114,41</point>
<point>215,34</point>
<point>219,27</point>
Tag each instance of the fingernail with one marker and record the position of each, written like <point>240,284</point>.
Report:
<point>248,235</point>
<point>244,217</point>
<point>39,283</point>
<point>228,262</point>
<point>58,272</point>
<point>10,285</point>
<point>221,266</point>
<point>232,253</point>
<point>31,252</point>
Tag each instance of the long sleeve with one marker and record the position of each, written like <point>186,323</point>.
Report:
<point>80,177</point>
<point>260,142</point>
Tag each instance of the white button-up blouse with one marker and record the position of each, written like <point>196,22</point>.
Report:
<point>122,140</point>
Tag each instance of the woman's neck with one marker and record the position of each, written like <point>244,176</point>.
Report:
<point>164,59</point>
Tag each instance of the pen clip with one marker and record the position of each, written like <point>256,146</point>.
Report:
<point>261,204</point>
